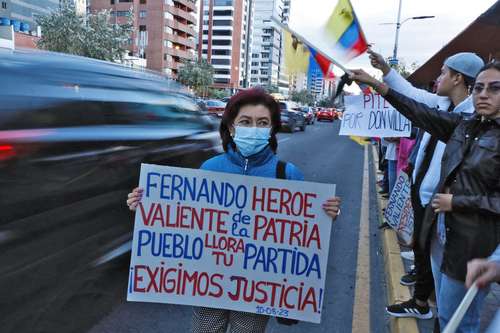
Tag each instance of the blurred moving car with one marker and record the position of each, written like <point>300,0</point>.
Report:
<point>291,116</point>
<point>326,114</point>
<point>308,114</point>
<point>215,107</point>
<point>73,134</point>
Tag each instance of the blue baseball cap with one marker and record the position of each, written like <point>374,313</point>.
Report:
<point>466,63</point>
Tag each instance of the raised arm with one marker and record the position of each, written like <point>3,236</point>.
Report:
<point>396,82</point>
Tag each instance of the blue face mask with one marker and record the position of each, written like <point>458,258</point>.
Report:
<point>251,140</point>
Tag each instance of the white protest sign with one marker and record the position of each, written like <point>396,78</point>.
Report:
<point>228,241</point>
<point>371,115</point>
<point>399,211</point>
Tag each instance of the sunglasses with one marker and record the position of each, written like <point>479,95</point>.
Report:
<point>492,88</point>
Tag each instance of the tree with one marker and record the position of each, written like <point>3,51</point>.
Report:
<point>326,102</point>
<point>271,89</point>
<point>402,68</point>
<point>91,35</point>
<point>197,75</point>
<point>303,96</point>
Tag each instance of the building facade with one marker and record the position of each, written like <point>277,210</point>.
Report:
<point>267,57</point>
<point>163,30</point>
<point>225,40</point>
<point>22,14</point>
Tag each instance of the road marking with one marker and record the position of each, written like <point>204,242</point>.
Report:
<point>358,139</point>
<point>361,310</point>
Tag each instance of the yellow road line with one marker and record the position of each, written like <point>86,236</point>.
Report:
<point>359,140</point>
<point>361,310</point>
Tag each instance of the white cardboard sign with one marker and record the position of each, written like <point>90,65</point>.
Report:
<point>228,241</point>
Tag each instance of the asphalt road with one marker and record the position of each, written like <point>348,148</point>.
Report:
<point>355,287</point>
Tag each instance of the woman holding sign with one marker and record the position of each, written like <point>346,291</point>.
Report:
<point>466,207</point>
<point>248,131</point>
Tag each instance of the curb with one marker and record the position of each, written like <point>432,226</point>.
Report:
<point>394,269</point>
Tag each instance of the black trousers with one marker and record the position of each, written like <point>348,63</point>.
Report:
<point>424,284</point>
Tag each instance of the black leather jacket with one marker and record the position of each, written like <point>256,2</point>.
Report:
<point>470,169</point>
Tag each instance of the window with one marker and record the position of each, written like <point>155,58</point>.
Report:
<point>205,12</point>
<point>255,63</point>
<point>222,71</point>
<point>267,31</point>
<point>223,13</point>
<point>265,55</point>
<point>142,2</point>
<point>221,62</point>
<point>112,2</point>
<point>121,1</point>
<point>221,42</point>
<point>143,14</point>
<point>222,32</point>
<point>220,23</point>
<point>221,52</point>
<point>254,71</point>
<point>204,51</point>
<point>223,2</point>
<point>120,13</point>
<point>205,32</point>
<point>255,55</point>
<point>266,39</point>
<point>205,22</point>
<point>142,28</point>
<point>220,80</point>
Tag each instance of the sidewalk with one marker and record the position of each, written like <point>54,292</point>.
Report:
<point>396,267</point>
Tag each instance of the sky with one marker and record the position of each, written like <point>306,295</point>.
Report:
<point>418,39</point>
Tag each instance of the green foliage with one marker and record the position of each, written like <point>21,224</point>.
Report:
<point>217,93</point>
<point>91,35</point>
<point>198,76</point>
<point>303,97</point>
<point>326,103</point>
<point>403,69</point>
<point>271,89</point>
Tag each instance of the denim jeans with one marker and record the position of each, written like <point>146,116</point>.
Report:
<point>450,292</point>
<point>392,172</point>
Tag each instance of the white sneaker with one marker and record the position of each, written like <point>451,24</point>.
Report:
<point>408,255</point>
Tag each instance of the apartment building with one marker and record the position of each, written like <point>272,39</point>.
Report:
<point>163,30</point>
<point>267,64</point>
<point>225,39</point>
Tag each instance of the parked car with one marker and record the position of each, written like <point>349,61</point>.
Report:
<point>308,114</point>
<point>73,134</point>
<point>215,107</point>
<point>291,116</point>
<point>326,114</point>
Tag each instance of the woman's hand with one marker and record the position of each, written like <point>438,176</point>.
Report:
<point>332,207</point>
<point>442,202</point>
<point>134,198</point>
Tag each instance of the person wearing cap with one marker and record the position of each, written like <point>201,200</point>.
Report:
<point>464,215</point>
<point>452,87</point>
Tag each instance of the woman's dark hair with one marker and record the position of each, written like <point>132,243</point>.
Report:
<point>495,64</point>
<point>253,96</point>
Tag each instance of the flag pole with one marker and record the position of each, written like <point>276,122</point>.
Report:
<point>303,40</point>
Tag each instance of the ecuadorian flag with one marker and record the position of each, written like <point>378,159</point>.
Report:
<point>299,57</point>
<point>296,54</point>
<point>344,28</point>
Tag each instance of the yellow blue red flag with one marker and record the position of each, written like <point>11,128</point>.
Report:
<point>344,30</point>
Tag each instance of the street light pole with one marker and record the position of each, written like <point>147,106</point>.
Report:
<point>398,26</point>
